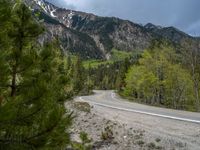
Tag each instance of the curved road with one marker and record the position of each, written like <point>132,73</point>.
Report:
<point>109,99</point>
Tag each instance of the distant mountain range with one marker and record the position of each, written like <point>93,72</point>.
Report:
<point>93,37</point>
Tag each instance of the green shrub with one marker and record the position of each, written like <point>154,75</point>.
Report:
<point>107,134</point>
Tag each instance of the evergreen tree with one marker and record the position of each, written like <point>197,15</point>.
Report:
<point>89,85</point>
<point>69,62</point>
<point>78,73</point>
<point>105,83</point>
<point>32,113</point>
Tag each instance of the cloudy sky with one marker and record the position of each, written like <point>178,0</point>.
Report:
<point>183,14</point>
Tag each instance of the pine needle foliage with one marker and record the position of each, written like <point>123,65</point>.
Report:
<point>32,83</point>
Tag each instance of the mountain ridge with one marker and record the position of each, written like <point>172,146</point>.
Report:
<point>92,36</point>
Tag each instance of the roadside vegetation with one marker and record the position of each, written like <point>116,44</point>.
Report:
<point>165,77</point>
<point>162,75</point>
<point>160,79</point>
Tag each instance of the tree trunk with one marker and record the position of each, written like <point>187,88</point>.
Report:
<point>13,85</point>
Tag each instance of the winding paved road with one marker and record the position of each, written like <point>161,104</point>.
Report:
<point>176,129</point>
<point>110,100</point>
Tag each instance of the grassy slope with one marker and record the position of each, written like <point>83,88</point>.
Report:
<point>116,55</point>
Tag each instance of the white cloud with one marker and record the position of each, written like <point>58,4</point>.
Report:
<point>194,29</point>
<point>78,4</point>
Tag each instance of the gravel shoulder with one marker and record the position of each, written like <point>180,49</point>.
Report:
<point>132,131</point>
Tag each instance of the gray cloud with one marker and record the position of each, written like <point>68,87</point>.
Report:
<point>183,14</point>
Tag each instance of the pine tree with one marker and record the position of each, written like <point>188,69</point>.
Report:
<point>78,73</point>
<point>89,85</point>
<point>32,113</point>
<point>105,83</point>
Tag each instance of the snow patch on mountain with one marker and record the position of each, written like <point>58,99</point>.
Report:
<point>52,13</point>
<point>67,19</point>
<point>49,9</point>
<point>70,15</point>
<point>41,4</point>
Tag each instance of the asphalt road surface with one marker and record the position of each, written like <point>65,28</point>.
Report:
<point>110,100</point>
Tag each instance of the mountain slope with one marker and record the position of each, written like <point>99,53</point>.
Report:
<point>169,33</point>
<point>92,36</point>
<point>72,41</point>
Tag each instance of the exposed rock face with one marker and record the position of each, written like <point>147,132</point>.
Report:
<point>92,36</point>
<point>73,41</point>
<point>169,33</point>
